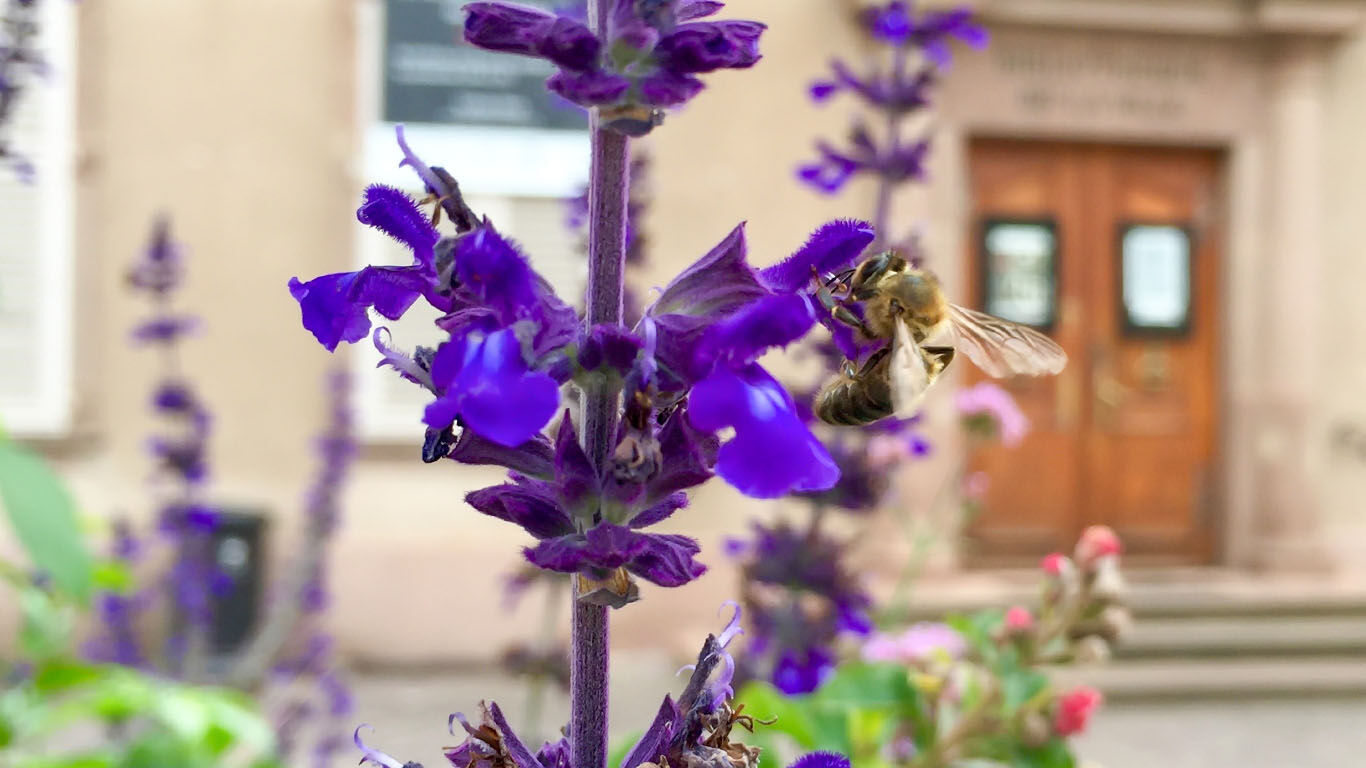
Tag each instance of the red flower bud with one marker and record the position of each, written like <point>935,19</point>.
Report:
<point>1074,710</point>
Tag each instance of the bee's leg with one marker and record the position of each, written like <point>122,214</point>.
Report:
<point>838,311</point>
<point>937,359</point>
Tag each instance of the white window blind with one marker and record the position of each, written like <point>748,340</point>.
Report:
<point>36,242</point>
<point>518,177</point>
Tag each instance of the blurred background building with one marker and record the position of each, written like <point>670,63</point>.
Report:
<point>1174,189</point>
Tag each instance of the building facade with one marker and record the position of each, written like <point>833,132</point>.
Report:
<point>1223,429</point>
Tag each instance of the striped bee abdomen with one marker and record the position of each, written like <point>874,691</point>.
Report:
<point>862,398</point>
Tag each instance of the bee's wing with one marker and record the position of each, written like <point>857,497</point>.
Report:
<point>1002,348</point>
<point>906,370</point>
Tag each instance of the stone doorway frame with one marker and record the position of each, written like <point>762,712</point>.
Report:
<point>1274,54</point>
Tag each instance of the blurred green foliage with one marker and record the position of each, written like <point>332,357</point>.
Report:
<point>972,712</point>
<point>59,711</point>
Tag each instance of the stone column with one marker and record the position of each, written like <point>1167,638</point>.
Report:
<point>1288,534</point>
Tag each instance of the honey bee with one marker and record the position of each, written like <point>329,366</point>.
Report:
<point>906,306</point>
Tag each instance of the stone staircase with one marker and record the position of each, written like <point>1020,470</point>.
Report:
<point>1204,634</point>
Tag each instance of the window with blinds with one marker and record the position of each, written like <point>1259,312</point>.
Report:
<point>36,243</point>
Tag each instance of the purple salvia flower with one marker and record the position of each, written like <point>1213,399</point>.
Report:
<point>801,597</point>
<point>657,49</point>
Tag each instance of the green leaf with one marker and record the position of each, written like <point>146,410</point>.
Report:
<point>44,520</point>
<point>1054,754</point>
<point>59,675</point>
<point>46,631</point>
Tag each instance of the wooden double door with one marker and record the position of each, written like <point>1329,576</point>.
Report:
<point>1115,252</point>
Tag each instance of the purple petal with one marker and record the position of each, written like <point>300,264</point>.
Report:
<point>719,282</point>
<point>394,213</point>
<point>688,456</point>
<point>772,453</point>
<point>687,10</point>
<point>487,382</point>
<point>554,754</point>
<point>654,742</point>
<point>668,560</point>
<point>669,89</point>
<point>534,458</point>
<point>773,321</point>
<point>327,312</point>
<point>574,473</point>
<point>570,44</point>
<point>373,755</point>
<point>833,247</point>
<point>533,507</point>
<point>611,346</point>
<point>893,24</point>
<point>390,290</point>
<point>588,88</point>
<point>710,45</point>
<point>821,760</point>
<point>512,746</point>
<point>661,511</point>
<point>493,270</point>
<point>507,28</point>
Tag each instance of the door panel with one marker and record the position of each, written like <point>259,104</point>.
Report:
<point>1125,435</point>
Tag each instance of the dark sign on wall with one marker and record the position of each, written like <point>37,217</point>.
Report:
<point>432,76</point>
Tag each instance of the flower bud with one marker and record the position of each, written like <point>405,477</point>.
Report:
<point>1074,709</point>
<point>1019,620</point>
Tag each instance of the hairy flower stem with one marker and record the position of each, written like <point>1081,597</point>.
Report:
<point>607,194</point>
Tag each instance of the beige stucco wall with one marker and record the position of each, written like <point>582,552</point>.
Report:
<point>239,120</point>
<point>1343,405</point>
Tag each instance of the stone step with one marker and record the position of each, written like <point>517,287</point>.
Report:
<point>1207,679</point>
<point>1158,594</point>
<point>1243,636</point>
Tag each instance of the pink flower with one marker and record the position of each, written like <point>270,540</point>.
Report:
<point>926,640</point>
<point>1055,564</point>
<point>881,647</point>
<point>1074,710</point>
<point>987,400</point>
<point>1096,542</point>
<point>1019,620</point>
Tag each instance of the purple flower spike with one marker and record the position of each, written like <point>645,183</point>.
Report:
<point>772,453</point>
<point>821,760</point>
<point>487,384</point>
